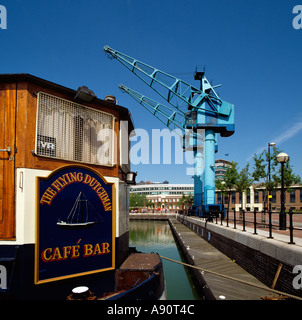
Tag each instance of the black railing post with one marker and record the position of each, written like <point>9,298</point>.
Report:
<point>228,217</point>
<point>291,227</point>
<point>270,224</point>
<point>235,218</point>
<point>243,220</point>
<point>255,222</point>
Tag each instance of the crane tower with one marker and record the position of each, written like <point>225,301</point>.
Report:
<point>199,113</point>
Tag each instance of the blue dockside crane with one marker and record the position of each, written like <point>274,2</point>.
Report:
<point>199,113</point>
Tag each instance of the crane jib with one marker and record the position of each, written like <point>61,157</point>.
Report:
<point>175,87</point>
<point>192,109</point>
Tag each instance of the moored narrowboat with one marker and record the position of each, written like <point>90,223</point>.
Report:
<point>64,196</point>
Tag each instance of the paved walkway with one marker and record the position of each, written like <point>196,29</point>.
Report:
<point>206,256</point>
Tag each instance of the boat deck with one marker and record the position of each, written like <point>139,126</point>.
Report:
<point>141,261</point>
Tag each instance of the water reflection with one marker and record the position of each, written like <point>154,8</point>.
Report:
<point>156,236</point>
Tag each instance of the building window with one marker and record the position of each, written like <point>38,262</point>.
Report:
<point>293,196</point>
<point>273,194</point>
<point>256,196</point>
<point>233,198</point>
<point>226,198</point>
<point>260,193</point>
<point>70,131</point>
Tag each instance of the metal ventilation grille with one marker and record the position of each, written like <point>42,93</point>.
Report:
<point>69,131</point>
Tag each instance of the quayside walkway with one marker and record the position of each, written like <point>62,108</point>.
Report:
<point>201,254</point>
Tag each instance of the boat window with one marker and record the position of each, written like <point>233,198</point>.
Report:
<point>70,131</point>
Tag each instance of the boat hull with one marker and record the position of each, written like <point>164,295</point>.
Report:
<point>133,283</point>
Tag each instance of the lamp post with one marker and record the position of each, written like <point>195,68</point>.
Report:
<point>282,158</point>
<point>270,144</point>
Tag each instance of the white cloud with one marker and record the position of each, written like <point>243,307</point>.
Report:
<point>285,136</point>
<point>291,132</point>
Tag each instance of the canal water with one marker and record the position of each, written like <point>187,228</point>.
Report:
<point>156,236</point>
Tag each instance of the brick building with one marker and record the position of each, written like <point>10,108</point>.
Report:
<point>168,195</point>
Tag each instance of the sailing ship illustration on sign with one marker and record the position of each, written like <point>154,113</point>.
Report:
<point>81,215</point>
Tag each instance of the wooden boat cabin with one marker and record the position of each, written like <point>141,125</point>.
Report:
<point>63,192</point>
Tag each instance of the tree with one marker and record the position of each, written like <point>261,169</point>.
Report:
<point>220,186</point>
<point>151,204</point>
<point>186,200</point>
<point>137,200</point>
<point>289,177</point>
<point>243,182</point>
<point>260,173</point>
<point>190,200</point>
<point>229,180</point>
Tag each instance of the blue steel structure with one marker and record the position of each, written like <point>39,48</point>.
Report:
<point>199,113</point>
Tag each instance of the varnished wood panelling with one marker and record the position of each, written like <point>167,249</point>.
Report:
<point>8,106</point>
<point>3,155</point>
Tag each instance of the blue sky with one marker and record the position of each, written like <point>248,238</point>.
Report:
<point>250,47</point>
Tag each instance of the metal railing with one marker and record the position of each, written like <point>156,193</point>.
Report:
<point>265,222</point>
<point>259,220</point>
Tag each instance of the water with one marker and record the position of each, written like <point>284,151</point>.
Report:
<point>156,236</point>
